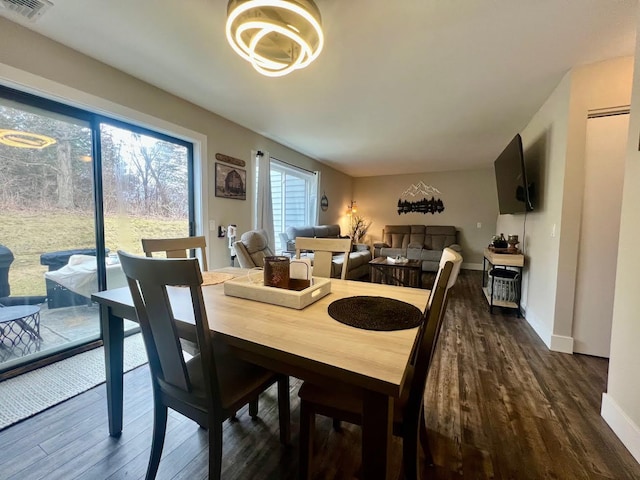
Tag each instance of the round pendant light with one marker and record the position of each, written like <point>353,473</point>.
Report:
<point>275,36</point>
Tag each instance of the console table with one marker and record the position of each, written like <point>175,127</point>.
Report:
<point>507,261</point>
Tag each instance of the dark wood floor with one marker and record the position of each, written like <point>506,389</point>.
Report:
<point>500,405</point>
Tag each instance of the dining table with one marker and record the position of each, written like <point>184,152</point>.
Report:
<point>307,344</point>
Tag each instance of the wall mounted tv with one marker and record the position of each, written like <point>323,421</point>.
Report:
<point>511,179</point>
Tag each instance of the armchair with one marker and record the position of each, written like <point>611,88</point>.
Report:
<point>288,245</point>
<point>251,249</point>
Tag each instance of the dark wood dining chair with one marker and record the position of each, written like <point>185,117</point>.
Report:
<point>211,386</point>
<point>345,403</point>
<point>176,247</point>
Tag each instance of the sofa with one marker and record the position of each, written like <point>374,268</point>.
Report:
<point>417,242</point>
<point>359,258</point>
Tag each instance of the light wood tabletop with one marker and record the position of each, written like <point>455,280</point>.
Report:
<point>307,344</point>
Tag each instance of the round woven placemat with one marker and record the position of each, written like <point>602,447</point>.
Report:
<point>375,313</point>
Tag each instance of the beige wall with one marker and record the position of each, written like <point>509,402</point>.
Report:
<point>469,198</point>
<point>621,403</point>
<point>554,143</point>
<point>37,64</point>
<point>337,188</point>
<point>544,142</point>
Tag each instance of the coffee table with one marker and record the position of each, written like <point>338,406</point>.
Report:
<point>19,330</point>
<point>407,274</point>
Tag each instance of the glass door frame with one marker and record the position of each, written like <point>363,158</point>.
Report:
<point>95,120</point>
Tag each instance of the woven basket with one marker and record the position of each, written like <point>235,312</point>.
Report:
<point>504,289</point>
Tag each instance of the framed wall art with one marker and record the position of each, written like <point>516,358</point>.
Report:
<point>231,182</point>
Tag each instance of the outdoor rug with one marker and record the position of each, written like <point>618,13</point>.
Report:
<point>30,393</point>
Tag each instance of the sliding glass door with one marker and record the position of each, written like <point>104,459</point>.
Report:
<point>74,188</point>
<point>145,182</point>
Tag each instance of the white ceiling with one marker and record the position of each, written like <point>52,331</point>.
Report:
<point>402,86</point>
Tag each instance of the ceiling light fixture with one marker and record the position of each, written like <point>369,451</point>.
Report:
<point>275,36</point>
<point>18,139</point>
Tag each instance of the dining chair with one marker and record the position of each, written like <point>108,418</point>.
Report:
<point>176,247</point>
<point>323,250</point>
<point>449,255</point>
<point>211,386</point>
<point>342,402</point>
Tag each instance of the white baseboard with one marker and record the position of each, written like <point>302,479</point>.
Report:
<point>471,266</point>
<point>560,343</point>
<point>541,330</point>
<point>555,343</point>
<point>626,430</point>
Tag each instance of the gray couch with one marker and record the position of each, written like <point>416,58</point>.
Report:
<point>359,259</point>
<point>417,242</point>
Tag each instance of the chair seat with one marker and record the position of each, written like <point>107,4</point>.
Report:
<point>238,380</point>
<point>343,402</point>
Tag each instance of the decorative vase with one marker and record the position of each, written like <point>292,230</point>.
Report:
<point>276,271</point>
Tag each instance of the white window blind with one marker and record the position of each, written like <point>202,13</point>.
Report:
<point>294,198</point>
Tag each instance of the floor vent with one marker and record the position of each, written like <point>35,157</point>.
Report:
<point>29,9</point>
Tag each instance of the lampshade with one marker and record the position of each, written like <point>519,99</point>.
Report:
<point>275,36</point>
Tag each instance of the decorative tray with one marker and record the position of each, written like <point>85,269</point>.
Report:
<point>253,289</point>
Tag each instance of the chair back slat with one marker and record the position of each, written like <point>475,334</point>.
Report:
<point>323,250</point>
<point>176,247</point>
<point>148,280</point>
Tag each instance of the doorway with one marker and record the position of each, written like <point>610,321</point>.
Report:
<point>605,156</point>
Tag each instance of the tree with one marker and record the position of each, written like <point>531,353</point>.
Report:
<point>34,177</point>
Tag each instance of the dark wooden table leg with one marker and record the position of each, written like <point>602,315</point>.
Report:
<point>377,418</point>
<point>113,338</point>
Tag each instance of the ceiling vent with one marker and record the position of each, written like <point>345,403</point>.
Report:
<point>29,9</point>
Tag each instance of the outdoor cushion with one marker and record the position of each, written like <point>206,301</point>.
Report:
<point>80,275</point>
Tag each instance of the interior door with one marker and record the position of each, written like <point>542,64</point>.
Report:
<point>598,249</point>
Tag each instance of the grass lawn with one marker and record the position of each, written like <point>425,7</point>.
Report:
<point>28,234</point>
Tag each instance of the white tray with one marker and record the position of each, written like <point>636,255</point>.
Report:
<point>242,287</point>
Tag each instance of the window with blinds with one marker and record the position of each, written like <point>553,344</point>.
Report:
<point>293,196</point>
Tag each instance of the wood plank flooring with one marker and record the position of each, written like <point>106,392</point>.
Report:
<point>500,406</point>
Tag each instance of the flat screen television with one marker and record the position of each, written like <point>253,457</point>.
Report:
<point>511,179</point>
